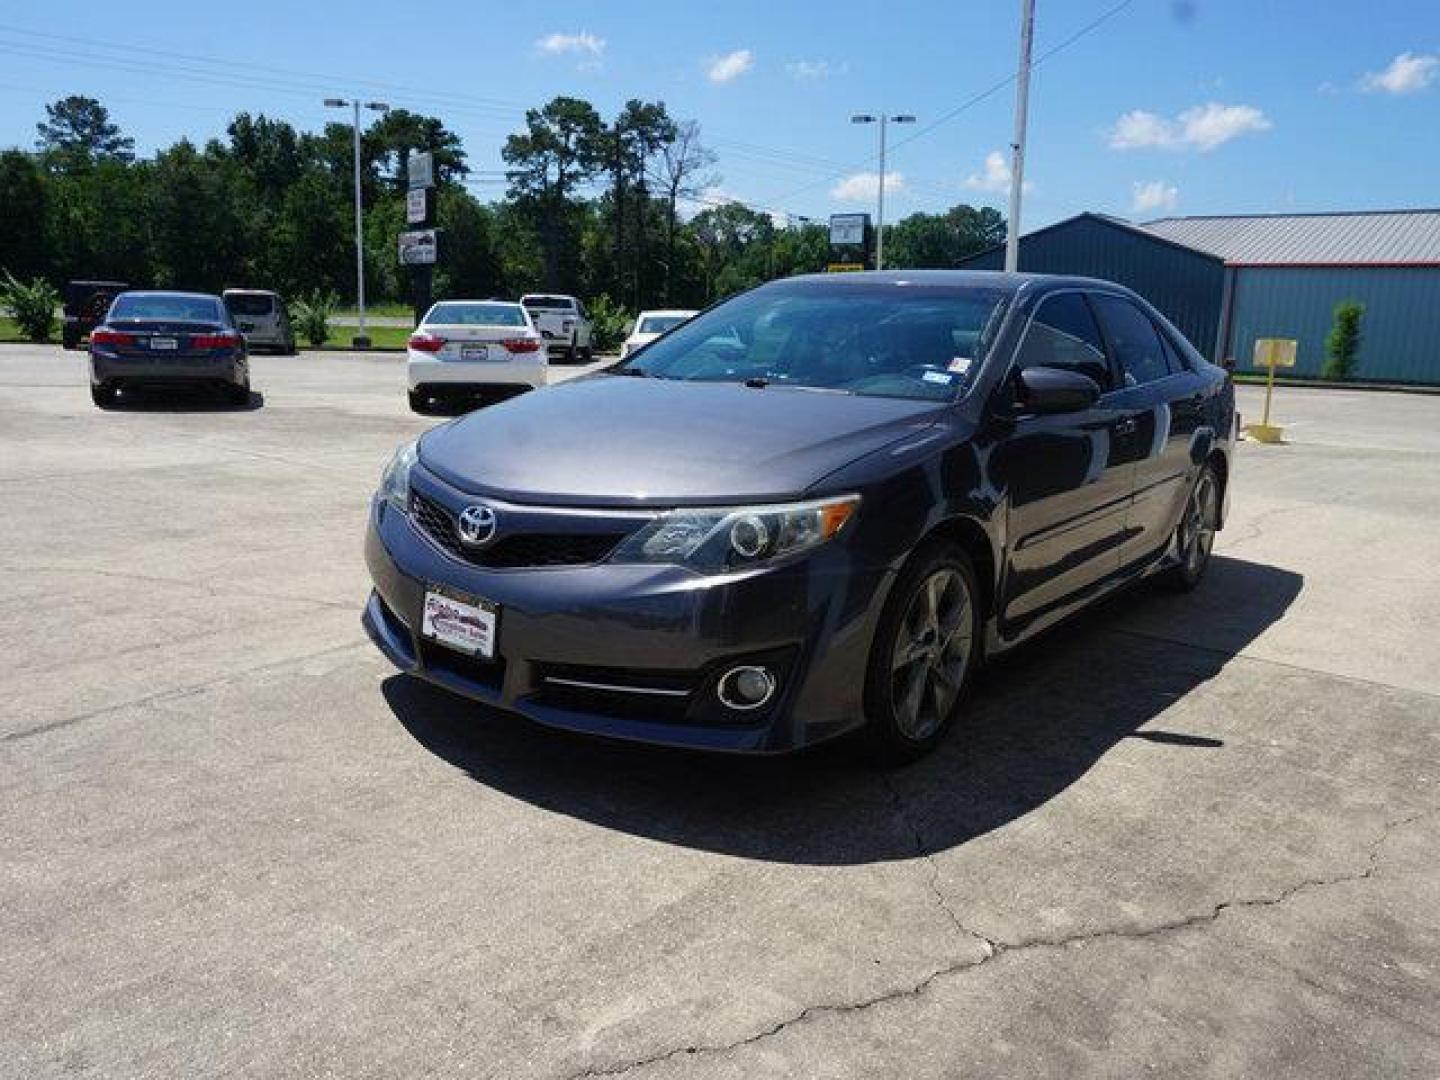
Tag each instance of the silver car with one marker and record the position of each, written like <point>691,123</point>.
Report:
<point>260,315</point>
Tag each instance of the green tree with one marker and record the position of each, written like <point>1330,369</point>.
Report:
<point>559,150</point>
<point>399,132</point>
<point>77,131</point>
<point>23,207</point>
<point>681,172</point>
<point>1342,344</point>
<point>942,240</point>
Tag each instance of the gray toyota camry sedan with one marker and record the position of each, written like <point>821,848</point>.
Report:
<point>814,508</point>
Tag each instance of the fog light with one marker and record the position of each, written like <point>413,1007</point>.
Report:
<point>746,687</point>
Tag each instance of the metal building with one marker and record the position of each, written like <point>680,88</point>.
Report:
<point>1227,280</point>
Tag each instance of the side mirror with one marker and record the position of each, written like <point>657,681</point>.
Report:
<point>1044,391</point>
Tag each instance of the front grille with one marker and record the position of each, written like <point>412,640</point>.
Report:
<point>515,550</point>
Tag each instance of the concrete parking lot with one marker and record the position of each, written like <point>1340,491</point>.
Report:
<point>1189,835</point>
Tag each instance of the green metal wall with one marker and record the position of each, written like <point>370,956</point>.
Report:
<point>1400,331</point>
<point>1185,285</point>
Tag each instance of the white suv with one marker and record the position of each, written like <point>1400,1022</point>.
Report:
<point>563,323</point>
<point>476,351</point>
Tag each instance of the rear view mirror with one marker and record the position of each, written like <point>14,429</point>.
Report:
<point>1046,390</point>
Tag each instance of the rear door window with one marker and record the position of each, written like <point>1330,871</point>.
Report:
<point>1136,342</point>
<point>1063,334</point>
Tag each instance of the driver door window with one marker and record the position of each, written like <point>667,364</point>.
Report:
<point>1064,334</point>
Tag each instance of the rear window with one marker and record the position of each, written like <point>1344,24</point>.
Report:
<point>251,304</point>
<point>453,314</point>
<point>167,306</point>
<point>549,303</point>
<point>658,324</point>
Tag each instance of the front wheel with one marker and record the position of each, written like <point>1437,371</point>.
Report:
<point>1195,535</point>
<point>926,648</point>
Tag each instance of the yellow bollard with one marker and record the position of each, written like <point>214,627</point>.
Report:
<point>1271,353</point>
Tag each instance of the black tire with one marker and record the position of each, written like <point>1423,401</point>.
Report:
<point>587,355</point>
<point>238,395</point>
<point>940,632</point>
<point>103,396</point>
<point>420,402</point>
<point>1195,534</point>
<point>70,337</point>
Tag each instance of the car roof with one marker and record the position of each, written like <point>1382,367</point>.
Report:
<point>459,300</point>
<point>959,279</point>
<point>171,292</point>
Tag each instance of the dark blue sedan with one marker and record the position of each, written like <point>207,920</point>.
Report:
<point>169,340</point>
<point>814,508</point>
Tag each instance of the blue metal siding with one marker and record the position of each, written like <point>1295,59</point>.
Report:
<point>1400,331</point>
<point>1186,286</point>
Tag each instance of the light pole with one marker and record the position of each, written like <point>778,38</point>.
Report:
<point>360,341</point>
<point>883,119</point>
<point>1017,148</point>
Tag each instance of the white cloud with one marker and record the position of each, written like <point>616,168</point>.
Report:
<point>1407,74</point>
<point>994,177</point>
<point>1203,127</point>
<point>865,186</point>
<point>1148,196</point>
<point>814,70</point>
<point>731,66</point>
<point>579,44</point>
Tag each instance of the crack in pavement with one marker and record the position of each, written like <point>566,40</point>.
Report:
<point>1001,949</point>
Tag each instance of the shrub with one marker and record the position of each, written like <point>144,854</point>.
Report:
<point>32,305</point>
<point>610,324</point>
<point>1342,344</point>
<point>310,316</point>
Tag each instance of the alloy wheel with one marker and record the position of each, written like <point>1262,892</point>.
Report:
<point>1197,527</point>
<point>930,654</point>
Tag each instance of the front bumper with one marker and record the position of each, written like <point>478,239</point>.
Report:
<point>657,626</point>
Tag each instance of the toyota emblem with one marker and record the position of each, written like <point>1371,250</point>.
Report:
<point>476,525</point>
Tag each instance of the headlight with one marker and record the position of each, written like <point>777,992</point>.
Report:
<point>731,538</point>
<point>395,480</point>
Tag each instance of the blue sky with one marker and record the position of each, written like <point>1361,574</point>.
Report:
<point>1168,106</point>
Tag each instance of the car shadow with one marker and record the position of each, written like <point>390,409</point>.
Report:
<point>1035,723</point>
<point>186,401</point>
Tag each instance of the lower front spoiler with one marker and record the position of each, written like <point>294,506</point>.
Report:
<point>394,639</point>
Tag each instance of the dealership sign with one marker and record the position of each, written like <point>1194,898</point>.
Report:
<point>420,169</point>
<point>418,248</point>
<point>416,200</point>
<point>848,230</point>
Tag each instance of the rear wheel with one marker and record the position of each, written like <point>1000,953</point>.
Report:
<point>420,402</point>
<point>587,354</point>
<point>238,395</point>
<point>926,648</point>
<point>103,395</point>
<point>70,337</point>
<point>1195,535</point>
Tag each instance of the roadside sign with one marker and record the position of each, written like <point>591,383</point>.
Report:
<point>418,248</point>
<point>848,230</point>
<point>1273,352</point>
<point>844,268</point>
<point>420,169</point>
<point>416,205</point>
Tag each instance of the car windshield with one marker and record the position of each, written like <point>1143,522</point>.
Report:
<point>549,303</point>
<point>453,314</point>
<point>658,324</point>
<point>166,306</point>
<point>250,303</point>
<point>886,339</point>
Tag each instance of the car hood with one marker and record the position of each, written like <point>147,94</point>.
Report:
<point>605,439</point>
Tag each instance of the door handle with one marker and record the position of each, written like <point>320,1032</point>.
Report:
<point>1126,426</point>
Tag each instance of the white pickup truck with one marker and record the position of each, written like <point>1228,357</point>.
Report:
<point>564,324</point>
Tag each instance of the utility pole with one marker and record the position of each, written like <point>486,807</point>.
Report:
<point>361,340</point>
<point>883,119</point>
<point>1017,148</point>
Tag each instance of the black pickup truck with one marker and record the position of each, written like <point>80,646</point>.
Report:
<point>86,303</point>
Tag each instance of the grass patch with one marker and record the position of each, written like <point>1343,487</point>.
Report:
<point>384,311</point>
<point>381,337</point>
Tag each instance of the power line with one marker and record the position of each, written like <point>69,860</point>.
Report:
<point>973,99</point>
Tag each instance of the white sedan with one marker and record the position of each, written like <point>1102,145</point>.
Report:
<point>474,351</point>
<point>651,324</point>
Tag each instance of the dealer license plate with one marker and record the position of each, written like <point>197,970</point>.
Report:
<point>163,343</point>
<point>457,621</point>
<point>474,352</point>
